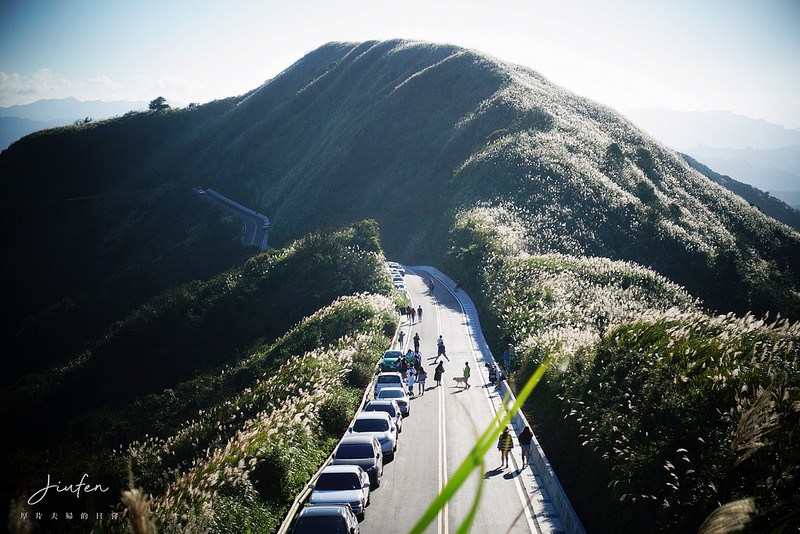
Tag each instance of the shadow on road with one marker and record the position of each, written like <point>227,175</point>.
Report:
<point>493,472</point>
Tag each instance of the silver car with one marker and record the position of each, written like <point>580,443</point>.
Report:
<point>399,395</point>
<point>342,484</point>
<point>379,425</point>
<point>389,406</point>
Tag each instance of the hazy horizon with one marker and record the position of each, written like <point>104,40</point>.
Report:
<point>624,54</point>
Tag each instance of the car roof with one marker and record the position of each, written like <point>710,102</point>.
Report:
<point>341,469</point>
<point>403,390</point>
<point>325,510</point>
<point>381,402</point>
<point>391,373</point>
<point>373,415</point>
<point>392,353</point>
<point>357,438</point>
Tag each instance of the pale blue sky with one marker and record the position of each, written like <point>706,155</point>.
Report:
<point>689,55</point>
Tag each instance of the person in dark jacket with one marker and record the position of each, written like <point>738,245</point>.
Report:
<point>525,439</point>
<point>437,374</point>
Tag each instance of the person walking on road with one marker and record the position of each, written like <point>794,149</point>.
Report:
<point>525,439</point>
<point>421,377</point>
<point>416,342</point>
<point>467,372</point>
<point>437,374</point>
<point>419,313</point>
<point>410,381</point>
<point>413,315</point>
<point>401,338</point>
<point>504,445</point>
<point>441,350</point>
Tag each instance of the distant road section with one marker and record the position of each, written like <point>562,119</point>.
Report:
<point>256,225</point>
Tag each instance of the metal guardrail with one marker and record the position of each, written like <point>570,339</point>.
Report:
<point>305,493</point>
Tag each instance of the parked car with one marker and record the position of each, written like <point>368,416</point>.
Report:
<point>342,484</point>
<point>380,425</point>
<point>364,451</point>
<point>387,379</point>
<point>400,286</point>
<point>389,406</point>
<point>396,267</point>
<point>329,518</point>
<point>389,359</point>
<point>399,395</point>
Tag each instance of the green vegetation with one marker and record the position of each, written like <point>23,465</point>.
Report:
<point>243,380</point>
<point>575,232</point>
<point>667,410</point>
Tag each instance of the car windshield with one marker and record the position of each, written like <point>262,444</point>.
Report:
<point>354,450</point>
<point>371,425</point>
<point>389,379</point>
<point>387,408</point>
<point>337,481</point>
<point>315,524</point>
<point>392,394</point>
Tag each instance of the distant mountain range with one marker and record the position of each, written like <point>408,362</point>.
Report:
<point>774,207</point>
<point>683,130</point>
<point>18,121</point>
<point>756,152</point>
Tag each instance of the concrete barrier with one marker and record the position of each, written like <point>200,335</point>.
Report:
<point>569,519</point>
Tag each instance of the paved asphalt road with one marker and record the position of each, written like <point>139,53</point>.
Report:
<point>256,226</point>
<point>441,429</point>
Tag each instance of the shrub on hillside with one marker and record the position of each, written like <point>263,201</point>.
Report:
<point>690,411</point>
<point>337,410</point>
<point>678,411</point>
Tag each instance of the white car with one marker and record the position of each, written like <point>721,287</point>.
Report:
<point>394,266</point>
<point>387,379</point>
<point>399,395</point>
<point>380,425</point>
<point>342,484</point>
<point>390,407</point>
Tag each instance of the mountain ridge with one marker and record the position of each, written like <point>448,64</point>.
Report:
<point>409,134</point>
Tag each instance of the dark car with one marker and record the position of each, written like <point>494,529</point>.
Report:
<point>328,518</point>
<point>364,451</point>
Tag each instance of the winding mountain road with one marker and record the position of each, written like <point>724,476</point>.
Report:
<point>442,427</point>
<point>256,225</point>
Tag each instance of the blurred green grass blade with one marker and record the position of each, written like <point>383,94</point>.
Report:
<point>475,458</point>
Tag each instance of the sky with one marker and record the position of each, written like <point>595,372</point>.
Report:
<point>741,56</point>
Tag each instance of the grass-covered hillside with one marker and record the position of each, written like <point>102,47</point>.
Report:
<point>654,412</point>
<point>241,383</point>
<point>97,218</point>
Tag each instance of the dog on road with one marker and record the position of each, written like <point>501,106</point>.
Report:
<point>460,380</point>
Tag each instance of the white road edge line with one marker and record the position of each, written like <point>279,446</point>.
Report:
<point>532,523</point>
